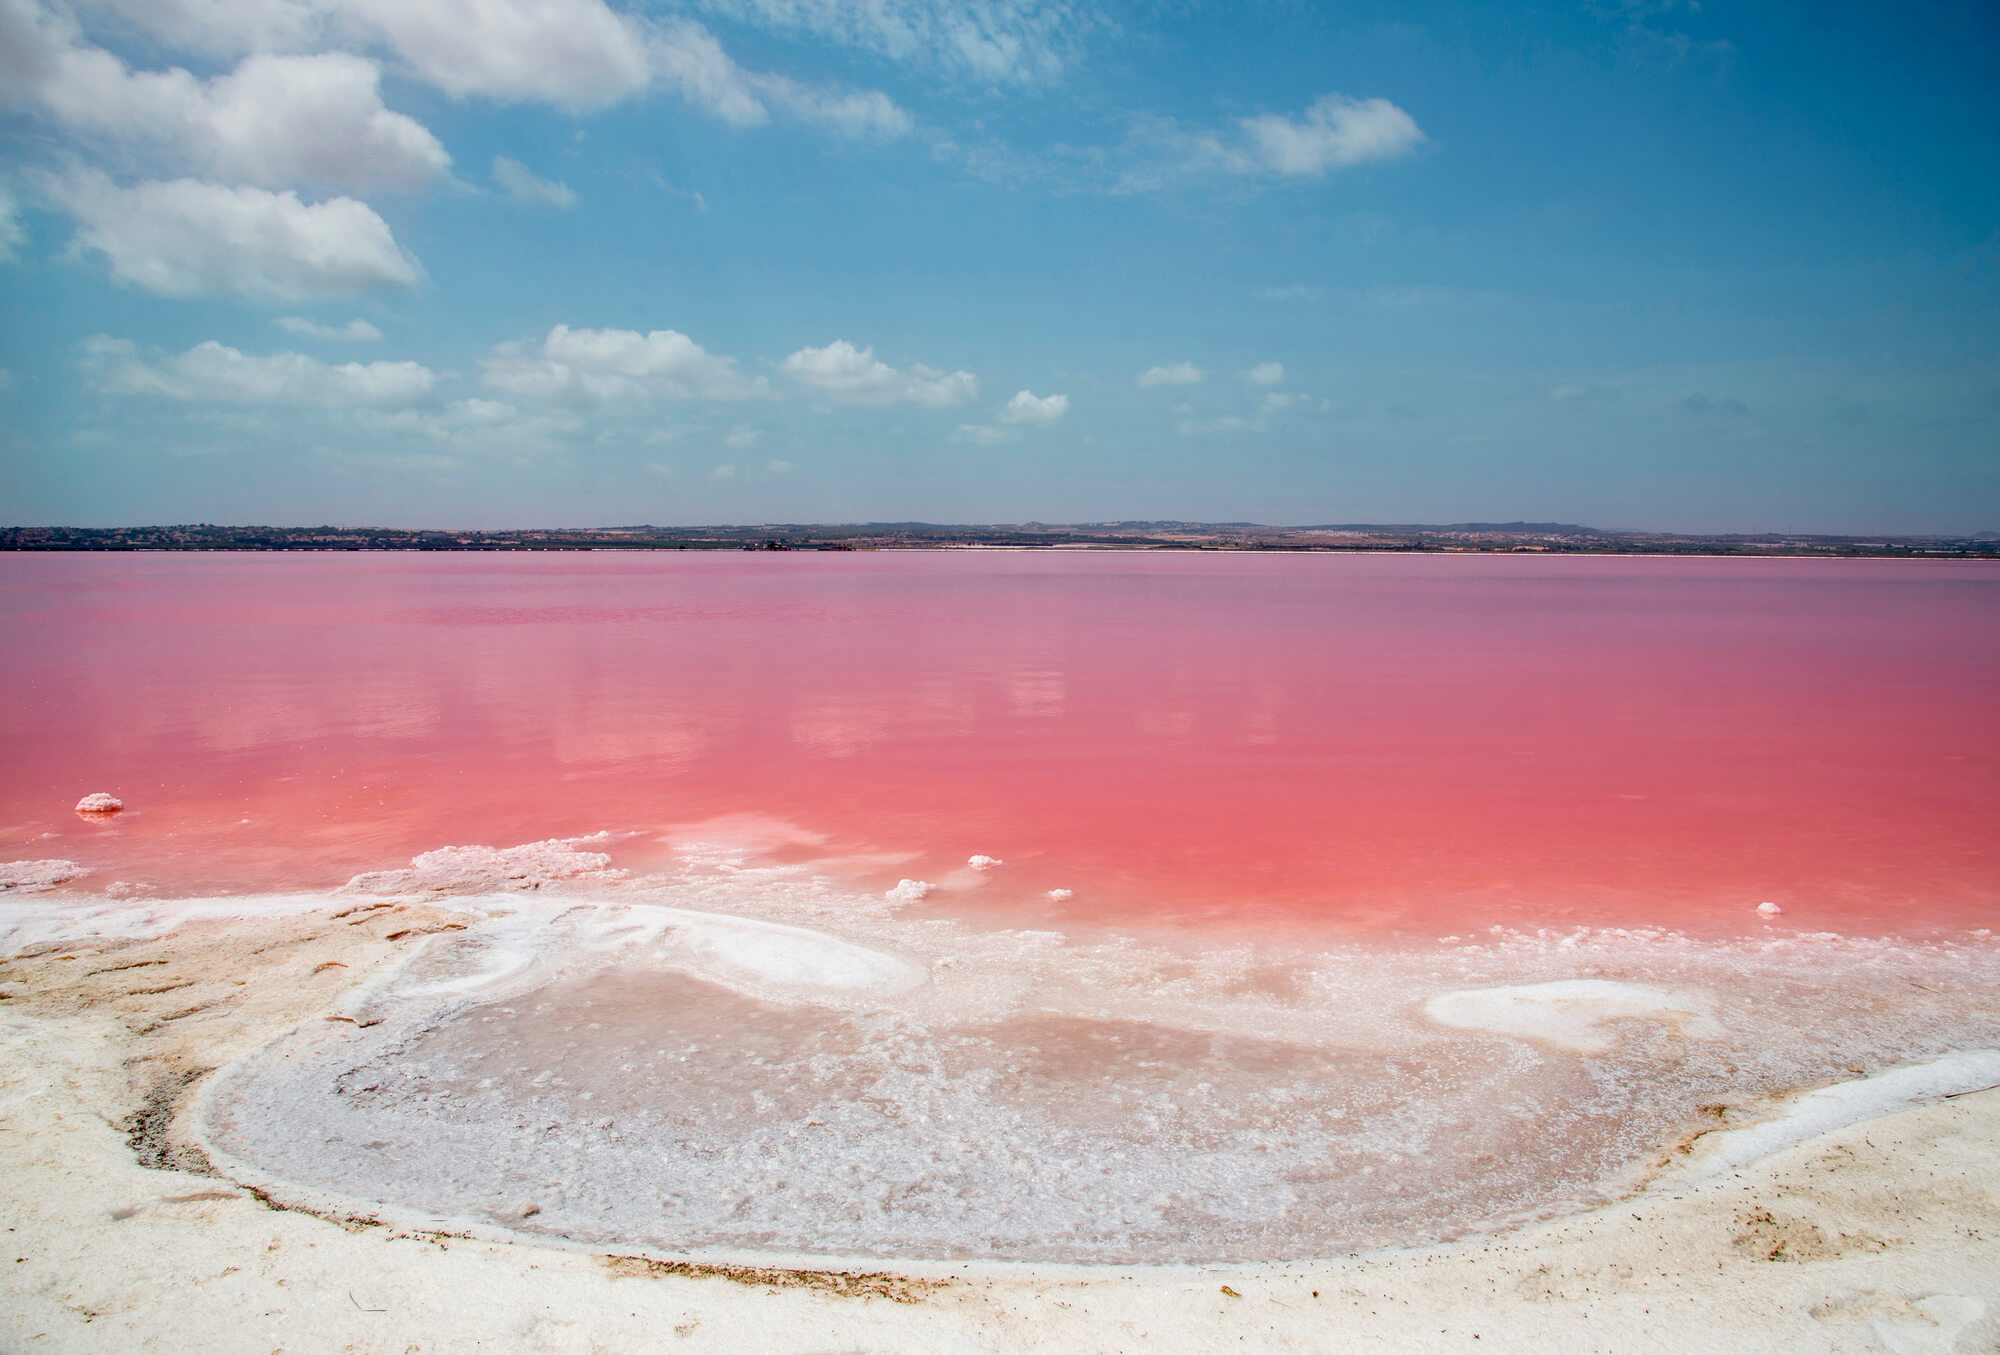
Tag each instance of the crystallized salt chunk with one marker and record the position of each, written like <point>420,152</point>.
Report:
<point>1769,909</point>
<point>907,891</point>
<point>984,862</point>
<point>1060,894</point>
<point>97,802</point>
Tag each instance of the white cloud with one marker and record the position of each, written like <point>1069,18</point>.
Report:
<point>12,236</point>
<point>855,376</point>
<point>997,41</point>
<point>222,28</point>
<point>273,121</point>
<point>1279,401</point>
<point>524,187</point>
<point>575,54</point>
<point>1025,407</point>
<point>212,371</point>
<point>602,366</point>
<point>740,438</point>
<point>1335,132</point>
<point>982,434</point>
<point>185,238</point>
<point>1266,374</point>
<point>1173,374</point>
<point>572,53</point>
<point>354,331</point>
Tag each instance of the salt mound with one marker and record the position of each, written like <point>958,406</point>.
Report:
<point>1769,909</point>
<point>1571,1013</point>
<point>489,870</point>
<point>97,802</point>
<point>26,876</point>
<point>985,862</point>
<point>908,891</point>
<point>1060,894</point>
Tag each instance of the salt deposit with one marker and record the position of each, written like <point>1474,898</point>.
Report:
<point>1846,1103</point>
<point>98,802</point>
<point>25,876</point>
<point>908,891</point>
<point>1769,909</point>
<point>985,862</point>
<point>1572,1013</point>
<point>1060,894</point>
<point>485,870</point>
<point>753,1057</point>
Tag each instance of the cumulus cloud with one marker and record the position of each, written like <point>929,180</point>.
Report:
<point>603,366</point>
<point>354,331</point>
<point>525,187</point>
<point>185,238</point>
<point>855,376</point>
<point>1333,133</point>
<point>1173,374</point>
<point>273,121</point>
<point>212,371</point>
<point>1026,407</point>
<point>1266,374</point>
<point>995,41</point>
<point>575,54</point>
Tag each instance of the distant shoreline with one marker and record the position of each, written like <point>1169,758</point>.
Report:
<point>1518,538</point>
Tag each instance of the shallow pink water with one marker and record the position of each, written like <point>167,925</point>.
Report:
<point>1334,743</point>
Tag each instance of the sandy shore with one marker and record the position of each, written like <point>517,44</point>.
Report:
<point>1882,1236</point>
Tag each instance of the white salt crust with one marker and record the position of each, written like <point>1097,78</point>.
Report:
<point>99,802</point>
<point>1572,1014</point>
<point>751,1059</point>
<point>23,876</point>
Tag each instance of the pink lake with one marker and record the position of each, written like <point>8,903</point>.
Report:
<point>1337,745</point>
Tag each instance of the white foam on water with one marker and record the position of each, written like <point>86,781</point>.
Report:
<point>1573,1014</point>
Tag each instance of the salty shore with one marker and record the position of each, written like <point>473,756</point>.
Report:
<point>1881,1235</point>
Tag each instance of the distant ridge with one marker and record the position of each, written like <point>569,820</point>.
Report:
<point>1558,538</point>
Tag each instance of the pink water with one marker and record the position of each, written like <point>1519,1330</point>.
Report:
<point>1332,744</point>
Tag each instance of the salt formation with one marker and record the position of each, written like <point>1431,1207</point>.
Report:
<point>98,802</point>
<point>487,870</point>
<point>908,891</point>
<point>1060,894</point>
<point>1769,909</point>
<point>1571,1013</point>
<point>985,862</point>
<point>28,876</point>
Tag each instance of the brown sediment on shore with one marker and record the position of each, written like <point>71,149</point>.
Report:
<point>1883,1235</point>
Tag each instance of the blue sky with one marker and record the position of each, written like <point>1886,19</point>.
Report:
<point>587,262</point>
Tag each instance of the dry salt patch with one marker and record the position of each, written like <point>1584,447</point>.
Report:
<point>28,876</point>
<point>1573,1014</point>
<point>99,802</point>
<point>645,1075</point>
<point>1846,1103</point>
